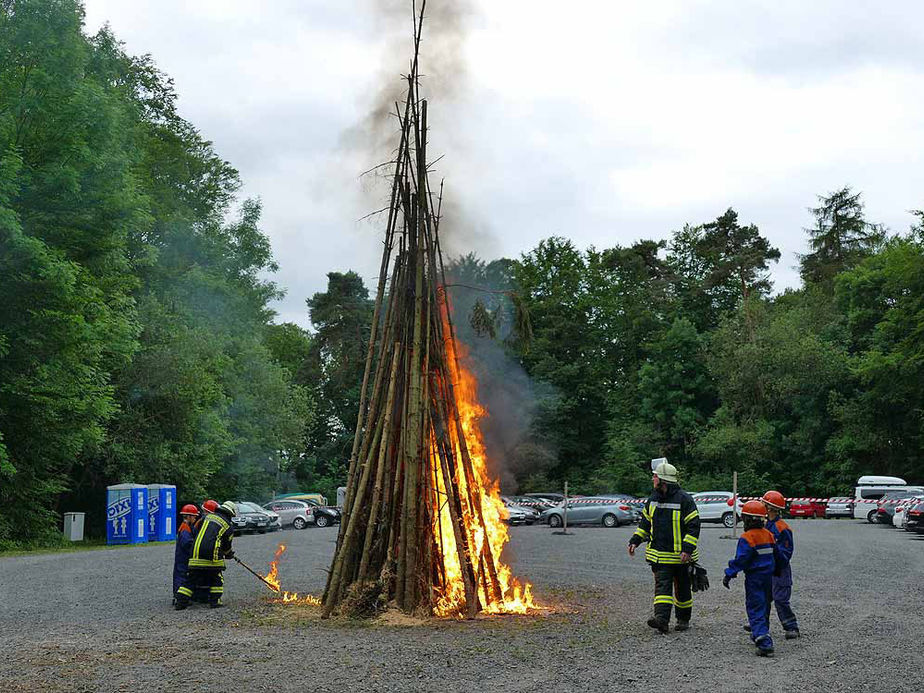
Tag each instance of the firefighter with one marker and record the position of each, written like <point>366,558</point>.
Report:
<point>201,592</point>
<point>758,556</point>
<point>185,534</point>
<point>782,584</point>
<point>670,525</point>
<point>211,547</point>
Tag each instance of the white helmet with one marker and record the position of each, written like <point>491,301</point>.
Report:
<point>230,506</point>
<point>666,472</point>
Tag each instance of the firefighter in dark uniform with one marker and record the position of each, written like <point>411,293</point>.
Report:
<point>211,547</point>
<point>670,525</point>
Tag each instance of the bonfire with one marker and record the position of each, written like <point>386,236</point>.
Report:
<point>422,523</point>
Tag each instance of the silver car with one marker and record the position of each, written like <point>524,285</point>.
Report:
<point>839,507</point>
<point>590,511</point>
<point>296,513</point>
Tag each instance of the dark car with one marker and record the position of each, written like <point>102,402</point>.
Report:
<point>887,504</point>
<point>251,518</point>
<point>915,521</point>
<point>324,516</point>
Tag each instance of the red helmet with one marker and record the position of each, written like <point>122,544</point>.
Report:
<point>754,508</point>
<point>210,505</point>
<point>774,499</point>
<point>189,509</point>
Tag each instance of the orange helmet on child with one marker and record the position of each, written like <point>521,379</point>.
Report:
<point>754,509</point>
<point>189,509</point>
<point>774,499</point>
<point>210,505</point>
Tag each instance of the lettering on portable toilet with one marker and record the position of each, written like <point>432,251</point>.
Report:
<point>153,511</point>
<point>117,514</point>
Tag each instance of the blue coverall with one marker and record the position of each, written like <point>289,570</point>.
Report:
<point>184,547</point>
<point>757,556</point>
<point>782,584</point>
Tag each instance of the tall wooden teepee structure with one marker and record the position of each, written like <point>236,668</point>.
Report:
<point>414,526</point>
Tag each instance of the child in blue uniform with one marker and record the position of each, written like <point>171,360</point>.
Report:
<point>185,535</point>
<point>758,557</point>
<point>782,584</point>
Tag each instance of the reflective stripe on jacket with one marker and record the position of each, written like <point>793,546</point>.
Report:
<point>212,542</point>
<point>670,525</point>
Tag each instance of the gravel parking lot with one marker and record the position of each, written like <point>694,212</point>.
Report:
<point>101,620</point>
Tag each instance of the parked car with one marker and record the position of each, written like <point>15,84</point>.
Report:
<point>715,506</point>
<point>886,506</point>
<point>520,515</point>
<point>915,521</point>
<point>324,516</point>
<point>554,498</point>
<point>870,489</point>
<point>806,508</point>
<point>298,514</point>
<point>839,507</point>
<point>635,503</point>
<point>590,511</point>
<point>252,518</point>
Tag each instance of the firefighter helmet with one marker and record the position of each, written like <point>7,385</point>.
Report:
<point>189,509</point>
<point>231,508</point>
<point>754,509</point>
<point>774,499</point>
<point>666,472</point>
<point>210,505</point>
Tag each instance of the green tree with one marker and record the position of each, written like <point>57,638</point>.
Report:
<point>840,238</point>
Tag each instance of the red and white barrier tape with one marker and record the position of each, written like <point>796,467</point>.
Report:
<point>741,499</point>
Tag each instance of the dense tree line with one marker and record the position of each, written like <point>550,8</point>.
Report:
<point>137,342</point>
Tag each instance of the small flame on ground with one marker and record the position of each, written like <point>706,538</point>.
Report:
<point>272,578</point>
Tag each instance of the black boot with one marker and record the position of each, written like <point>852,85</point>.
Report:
<point>682,626</point>
<point>792,634</point>
<point>659,625</point>
<point>747,627</point>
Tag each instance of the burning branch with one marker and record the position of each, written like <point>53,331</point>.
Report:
<point>422,521</point>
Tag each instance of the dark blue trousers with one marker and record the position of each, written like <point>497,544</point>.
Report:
<point>782,593</point>
<point>757,594</point>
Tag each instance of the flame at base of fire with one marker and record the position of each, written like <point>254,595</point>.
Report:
<point>296,598</point>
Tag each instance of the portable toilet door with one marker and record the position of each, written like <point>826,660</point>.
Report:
<point>161,512</point>
<point>126,514</point>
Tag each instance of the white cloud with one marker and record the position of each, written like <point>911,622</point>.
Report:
<point>603,121</point>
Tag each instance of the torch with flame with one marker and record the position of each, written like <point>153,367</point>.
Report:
<point>272,579</point>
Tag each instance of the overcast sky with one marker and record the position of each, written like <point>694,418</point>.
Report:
<point>604,121</point>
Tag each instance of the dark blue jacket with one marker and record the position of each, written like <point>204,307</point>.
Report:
<point>783,535</point>
<point>757,554</point>
<point>184,547</point>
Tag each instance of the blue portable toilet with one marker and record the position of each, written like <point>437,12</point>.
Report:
<point>161,512</point>
<point>126,514</point>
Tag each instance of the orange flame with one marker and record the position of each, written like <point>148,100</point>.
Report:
<point>272,577</point>
<point>483,493</point>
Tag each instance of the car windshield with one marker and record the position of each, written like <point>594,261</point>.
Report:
<point>250,507</point>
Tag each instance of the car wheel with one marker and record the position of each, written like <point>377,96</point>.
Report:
<point>323,521</point>
<point>261,531</point>
<point>610,520</point>
<point>299,523</point>
<point>728,519</point>
<point>871,517</point>
<point>554,520</point>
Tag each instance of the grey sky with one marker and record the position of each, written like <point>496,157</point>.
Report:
<point>603,121</point>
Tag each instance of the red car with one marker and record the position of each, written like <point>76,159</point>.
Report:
<point>804,508</point>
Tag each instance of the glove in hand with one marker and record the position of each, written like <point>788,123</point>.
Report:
<point>726,581</point>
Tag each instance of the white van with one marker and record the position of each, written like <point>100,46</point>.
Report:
<point>871,488</point>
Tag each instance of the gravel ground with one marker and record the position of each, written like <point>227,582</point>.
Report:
<point>101,620</point>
